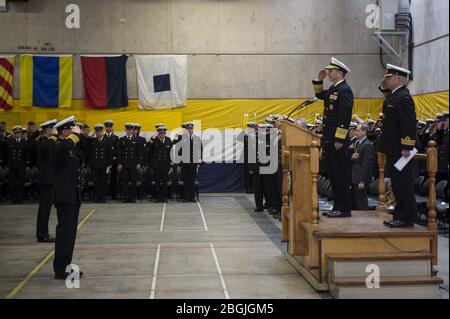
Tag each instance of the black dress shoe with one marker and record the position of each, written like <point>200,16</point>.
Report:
<point>400,224</point>
<point>46,239</point>
<point>339,214</point>
<point>259,210</point>
<point>387,222</point>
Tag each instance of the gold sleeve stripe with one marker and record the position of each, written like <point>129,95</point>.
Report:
<point>53,138</point>
<point>74,138</point>
<point>318,88</point>
<point>341,133</point>
<point>408,141</point>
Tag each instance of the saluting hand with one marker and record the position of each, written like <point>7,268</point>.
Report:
<point>322,74</point>
<point>76,129</point>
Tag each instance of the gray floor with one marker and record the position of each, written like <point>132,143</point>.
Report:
<point>218,249</point>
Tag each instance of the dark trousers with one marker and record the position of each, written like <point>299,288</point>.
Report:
<point>339,173</point>
<point>161,179</point>
<point>247,177</point>
<point>113,182</point>
<point>278,190</point>
<point>17,182</point>
<point>100,183</point>
<point>46,198</point>
<point>129,180</point>
<point>66,233</point>
<point>188,174</point>
<point>359,198</point>
<point>264,188</point>
<point>403,188</point>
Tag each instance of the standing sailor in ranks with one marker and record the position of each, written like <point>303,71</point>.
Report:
<point>129,162</point>
<point>17,159</point>
<point>113,139</point>
<point>335,140</point>
<point>100,162</point>
<point>159,155</point>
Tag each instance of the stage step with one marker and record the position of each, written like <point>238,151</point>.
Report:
<point>405,287</point>
<point>389,265</point>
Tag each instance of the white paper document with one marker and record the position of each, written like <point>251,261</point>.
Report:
<point>401,163</point>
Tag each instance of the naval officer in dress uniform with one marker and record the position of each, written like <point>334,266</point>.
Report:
<point>129,162</point>
<point>113,139</point>
<point>45,149</point>
<point>17,159</point>
<point>398,139</point>
<point>67,188</point>
<point>335,140</point>
<point>100,162</point>
<point>159,158</point>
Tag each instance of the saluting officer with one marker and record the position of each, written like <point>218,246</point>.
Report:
<point>159,158</point>
<point>67,188</point>
<point>191,151</point>
<point>100,162</point>
<point>397,140</point>
<point>129,162</point>
<point>113,139</point>
<point>335,141</point>
<point>45,152</point>
<point>17,159</point>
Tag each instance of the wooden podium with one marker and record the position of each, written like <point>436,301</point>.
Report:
<point>318,246</point>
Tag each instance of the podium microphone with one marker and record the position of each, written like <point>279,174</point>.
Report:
<point>306,103</point>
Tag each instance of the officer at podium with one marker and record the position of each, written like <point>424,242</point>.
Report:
<point>335,140</point>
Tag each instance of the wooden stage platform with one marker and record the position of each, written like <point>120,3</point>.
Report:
<point>362,237</point>
<point>325,249</point>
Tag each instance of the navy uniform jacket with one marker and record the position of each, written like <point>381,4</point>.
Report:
<point>17,153</point>
<point>143,148</point>
<point>113,141</point>
<point>99,153</point>
<point>67,167</point>
<point>337,113</point>
<point>399,123</point>
<point>128,152</point>
<point>159,153</point>
<point>45,157</point>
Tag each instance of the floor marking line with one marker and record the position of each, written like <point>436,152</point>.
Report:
<point>36,269</point>
<point>155,273</point>
<point>222,281</point>
<point>161,228</point>
<point>203,216</point>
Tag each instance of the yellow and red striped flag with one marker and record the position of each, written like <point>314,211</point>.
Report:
<point>6,82</point>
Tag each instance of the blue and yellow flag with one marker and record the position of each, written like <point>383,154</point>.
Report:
<point>46,80</point>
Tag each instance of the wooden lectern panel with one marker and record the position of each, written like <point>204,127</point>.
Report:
<point>298,207</point>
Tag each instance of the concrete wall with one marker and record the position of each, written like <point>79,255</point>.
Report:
<point>237,48</point>
<point>431,52</point>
